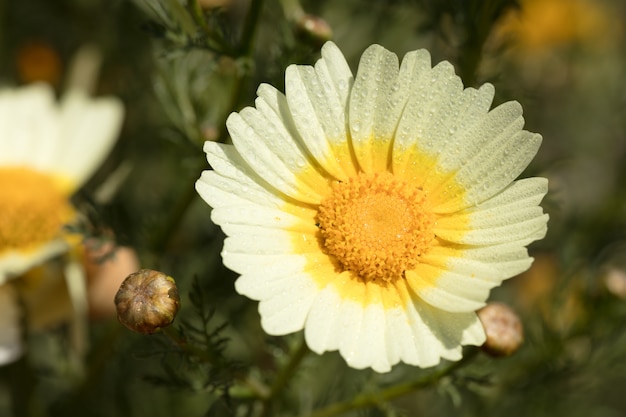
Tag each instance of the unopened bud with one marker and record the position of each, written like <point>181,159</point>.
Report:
<point>147,301</point>
<point>615,281</point>
<point>314,28</point>
<point>503,329</point>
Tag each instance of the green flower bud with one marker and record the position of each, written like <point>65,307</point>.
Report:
<point>503,328</point>
<point>147,301</point>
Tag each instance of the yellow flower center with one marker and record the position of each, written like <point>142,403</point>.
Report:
<point>33,209</point>
<point>376,226</point>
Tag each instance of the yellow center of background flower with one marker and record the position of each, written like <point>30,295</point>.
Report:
<point>376,226</point>
<point>33,209</point>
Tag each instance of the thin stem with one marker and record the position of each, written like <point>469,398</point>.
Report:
<point>285,376</point>
<point>188,195</point>
<point>292,9</point>
<point>198,17</point>
<point>289,370</point>
<point>481,17</point>
<point>370,399</point>
<point>249,28</point>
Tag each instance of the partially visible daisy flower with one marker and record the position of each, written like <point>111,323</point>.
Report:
<point>48,150</point>
<point>376,212</point>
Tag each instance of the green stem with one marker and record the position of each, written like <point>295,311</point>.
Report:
<point>289,370</point>
<point>198,17</point>
<point>481,17</point>
<point>370,399</point>
<point>292,9</point>
<point>249,28</point>
<point>188,195</point>
<point>285,375</point>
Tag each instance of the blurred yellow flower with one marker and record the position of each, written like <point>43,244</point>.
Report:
<point>375,212</point>
<point>546,24</point>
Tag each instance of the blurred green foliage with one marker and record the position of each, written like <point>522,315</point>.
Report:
<point>182,66</point>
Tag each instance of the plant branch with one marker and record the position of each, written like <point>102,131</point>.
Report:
<point>285,375</point>
<point>249,28</point>
<point>370,399</point>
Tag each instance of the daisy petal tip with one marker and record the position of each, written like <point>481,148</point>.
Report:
<point>330,49</point>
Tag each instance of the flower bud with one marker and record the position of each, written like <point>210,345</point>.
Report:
<point>503,329</point>
<point>314,29</point>
<point>147,301</point>
<point>615,282</point>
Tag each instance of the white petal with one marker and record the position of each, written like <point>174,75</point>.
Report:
<point>526,192</point>
<point>29,124</point>
<point>474,333</point>
<point>351,320</point>
<point>323,322</point>
<point>375,104</point>
<point>232,182</point>
<point>432,127</point>
<point>338,71</point>
<point>260,287</point>
<point>70,139</point>
<point>450,330</point>
<point>14,263</point>
<point>249,139</point>
<point>456,286</point>
<point>429,347</point>
<point>89,129</point>
<point>510,258</point>
<point>264,142</point>
<point>375,336</point>
<point>362,339</point>
<point>10,337</point>
<point>512,215</point>
<point>317,101</point>
<point>373,340</point>
<point>499,152</point>
<point>225,160</point>
<point>273,104</point>
<point>402,338</point>
<point>267,241</point>
<point>273,264</point>
<point>219,191</point>
<point>250,215</point>
<point>286,309</point>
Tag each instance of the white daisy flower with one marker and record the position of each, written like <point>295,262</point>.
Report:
<point>376,212</point>
<point>48,150</point>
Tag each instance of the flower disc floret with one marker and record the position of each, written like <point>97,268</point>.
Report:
<point>33,209</point>
<point>376,226</point>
